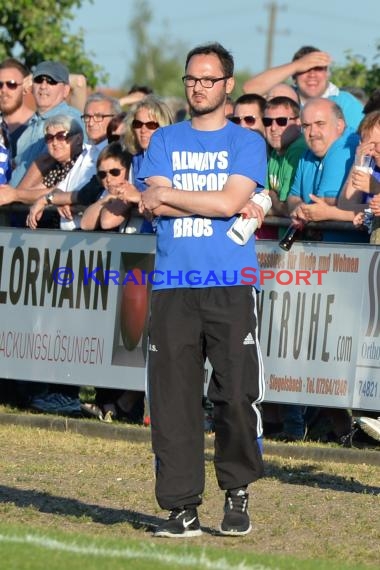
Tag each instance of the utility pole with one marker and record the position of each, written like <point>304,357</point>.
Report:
<point>270,32</point>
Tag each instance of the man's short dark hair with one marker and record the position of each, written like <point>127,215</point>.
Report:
<point>225,57</point>
<point>118,152</point>
<point>249,98</point>
<point>305,50</point>
<point>281,100</point>
<point>13,63</point>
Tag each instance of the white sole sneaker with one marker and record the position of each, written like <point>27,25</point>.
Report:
<point>235,532</point>
<point>185,534</point>
<point>370,426</point>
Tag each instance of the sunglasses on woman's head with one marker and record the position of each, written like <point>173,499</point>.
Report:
<point>151,125</point>
<point>113,171</point>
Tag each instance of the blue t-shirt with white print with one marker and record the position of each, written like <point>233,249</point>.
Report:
<point>195,251</point>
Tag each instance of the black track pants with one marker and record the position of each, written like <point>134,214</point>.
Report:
<point>185,322</point>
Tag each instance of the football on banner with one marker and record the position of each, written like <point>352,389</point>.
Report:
<point>133,309</point>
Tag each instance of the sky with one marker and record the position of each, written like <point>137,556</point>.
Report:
<point>335,26</point>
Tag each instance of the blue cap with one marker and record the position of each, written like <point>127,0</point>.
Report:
<point>53,69</point>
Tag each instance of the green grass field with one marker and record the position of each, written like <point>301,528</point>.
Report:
<point>25,548</point>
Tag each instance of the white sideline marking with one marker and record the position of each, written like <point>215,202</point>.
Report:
<point>143,553</point>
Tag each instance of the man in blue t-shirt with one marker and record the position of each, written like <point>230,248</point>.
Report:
<point>200,173</point>
<point>323,169</point>
<point>361,184</point>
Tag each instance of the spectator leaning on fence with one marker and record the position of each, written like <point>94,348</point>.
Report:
<point>81,187</point>
<point>113,166</point>
<point>360,186</point>
<point>282,125</point>
<point>323,169</point>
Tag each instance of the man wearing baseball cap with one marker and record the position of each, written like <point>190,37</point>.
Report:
<point>52,69</point>
<point>50,90</point>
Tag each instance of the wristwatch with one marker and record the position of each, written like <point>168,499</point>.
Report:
<point>49,198</point>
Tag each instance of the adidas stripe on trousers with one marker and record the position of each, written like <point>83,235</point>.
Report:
<point>186,324</point>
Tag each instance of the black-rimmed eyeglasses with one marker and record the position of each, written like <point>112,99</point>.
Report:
<point>206,82</point>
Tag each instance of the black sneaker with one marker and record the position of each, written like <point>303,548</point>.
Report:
<point>236,518</point>
<point>182,523</point>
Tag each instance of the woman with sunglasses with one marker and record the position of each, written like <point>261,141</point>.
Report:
<point>64,140</point>
<point>68,144</point>
<point>143,120</point>
<point>63,136</point>
<point>109,211</point>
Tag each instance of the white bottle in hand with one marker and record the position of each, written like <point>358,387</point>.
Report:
<point>242,228</point>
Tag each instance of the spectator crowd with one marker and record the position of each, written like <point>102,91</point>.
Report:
<point>82,152</point>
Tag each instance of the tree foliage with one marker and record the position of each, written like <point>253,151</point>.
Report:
<point>158,64</point>
<point>36,30</point>
<point>357,73</point>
